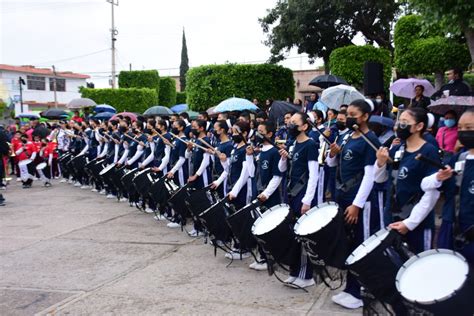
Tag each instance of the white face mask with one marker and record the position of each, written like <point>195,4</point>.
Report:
<point>378,100</point>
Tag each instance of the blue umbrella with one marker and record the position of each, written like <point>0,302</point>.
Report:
<point>104,108</point>
<point>103,116</point>
<point>235,104</point>
<point>385,121</point>
<point>178,108</point>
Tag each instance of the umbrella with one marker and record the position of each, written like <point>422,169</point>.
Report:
<point>405,88</point>
<point>382,120</point>
<point>104,108</point>
<point>278,110</point>
<point>131,115</point>
<point>211,111</point>
<point>178,108</point>
<point>158,110</point>
<point>53,114</point>
<point>28,116</point>
<point>456,103</point>
<point>333,97</point>
<point>192,114</point>
<point>320,106</point>
<point>80,103</point>
<point>326,81</point>
<point>235,104</point>
<point>105,116</point>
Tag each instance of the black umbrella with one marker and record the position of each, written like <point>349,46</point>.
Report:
<point>278,110</point>
<point>326,81</point>
<point>54,114</point>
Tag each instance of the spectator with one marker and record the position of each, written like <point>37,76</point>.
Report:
<point>4,150</point>
<point>383,107</point>
<point>420,101</point>
<point>455,85</point>
<point>77,117</point>
<point>447,136</point>
<point>312,101</point>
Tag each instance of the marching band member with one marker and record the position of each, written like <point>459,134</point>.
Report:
<point>355,159</point>
<point>224,148</point>
<point>46,153</point>
<point>303,175</point>
<point>27,151</point>
<point>136,146</point>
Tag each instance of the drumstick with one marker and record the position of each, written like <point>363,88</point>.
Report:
<point>325,138</point>
<point>210,146</point>
<point>432,162</point>
<point>368,141</point>
<point>266,139</point>
<point>166,141</point>
<point>187,143</point>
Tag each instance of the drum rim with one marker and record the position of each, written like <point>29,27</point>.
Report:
<point>271,209</point>
<point>143,171</point>
<point>256,206</point>
<point>106,169</point>
<point>311,210</point>
<point>376,234</point>
<point>427,253</point>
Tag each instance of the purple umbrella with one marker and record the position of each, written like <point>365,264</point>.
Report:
<point>405,88</point>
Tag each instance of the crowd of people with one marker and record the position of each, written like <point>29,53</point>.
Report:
<point>379,174</point>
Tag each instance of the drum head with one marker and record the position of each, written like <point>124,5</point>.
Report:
<point>107,169</point>
<point>433,275</point>
<point>315,219</point>
<point>41,166</point>
<point>270,219</point>
<point>367,246</point>
<point>143,171</point>
<point>25,162</point>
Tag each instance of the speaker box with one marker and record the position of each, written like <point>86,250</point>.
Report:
<point>373,78</point>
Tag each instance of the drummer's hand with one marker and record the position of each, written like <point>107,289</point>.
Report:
<point>118,164</point>
<point>305,208</point>
<point>334,150</point>
<point>170,175</point>
<point>190,146</point>
<point>444,174</point>
<point>351,214</point>
<point>231,197</point>
<point>155,169</point>
<point>382,156</point>
<point>214,185</point>
<point>222,157</point>
<point>262,197</point>
<point>192,178</point>
<point>396,142</point>
<point>327,132</point>
<point>150,139</point>
<point>400,227</point>
<point>249,150</point>
<point>283,153</point>
<point>210,151</point>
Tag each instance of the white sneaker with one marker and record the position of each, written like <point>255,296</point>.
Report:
<point>347,300</point>
<point>77,184</point>
<point>195,233</point>
<point>173,225</point>
<point>85,187</point>
<point>103,192</point>
<point>18,179</point>
<point>290,279</point>
<point>70,181</point>
<point>338,296</point>
<point>302,283</point>
<point>235,255</point>
<point>63,181</point>
<point>148,210</point>
<point>159,217</point>
<point>56,178</point>
<point>123,199</point>
<point>110,196</point>
<point>94,190</point>
<point>258,266</point>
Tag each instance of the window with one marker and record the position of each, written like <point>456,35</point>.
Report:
<point>60,84</point>
<point>36,83</point>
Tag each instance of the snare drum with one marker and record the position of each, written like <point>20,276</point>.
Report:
<point>79,162</point>
<point>107,171</point>
<point>241,224</point>
<point>375,264</point>
<point>127,180</point>
<point>177,201</point>
<point>321,231</point>
<point>437,281</point>
<point>274,232</point>
<point>142,182</point>
<point>213,219</point>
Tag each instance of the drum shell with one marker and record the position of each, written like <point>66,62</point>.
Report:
<point>330,243</point>
<point>79,162</point>
<point>241,223</point>
<point>142,183</point>
<point>177,201</point>
<point>127,180</point>
<point>115,177</point>
<point>377,270</point>
<point>158,192</point>
<point>280,242</point>
<point>198,201</point>
<point>214,219</point>
<point>96,168</point>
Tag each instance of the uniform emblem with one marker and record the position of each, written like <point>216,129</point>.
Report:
<point>471,187</point>
<point>403,173</point>
<point>265,164</point>
<point>296,156</point>
<point>348,155</point>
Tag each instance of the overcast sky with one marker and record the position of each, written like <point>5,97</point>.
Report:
<point>74,35</point>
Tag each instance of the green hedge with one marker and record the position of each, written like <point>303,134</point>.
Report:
<point>469,78</point>
<point>207,86</point>
<point>167,91</point>
<point>130,100</point>
<point>348,63</point>
<point>140,79</point>
<point>180,97</point>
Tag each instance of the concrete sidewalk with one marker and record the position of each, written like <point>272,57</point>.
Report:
<point>67,251</point>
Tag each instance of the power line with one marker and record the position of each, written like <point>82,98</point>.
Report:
<point>71,58</point>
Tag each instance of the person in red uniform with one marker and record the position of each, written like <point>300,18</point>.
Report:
<point>16,144</point>
<point>28,151</point>
<point>52,151</point>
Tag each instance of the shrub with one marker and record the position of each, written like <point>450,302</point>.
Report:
<point>167,91</point>
<point>180,97</point>
<point>140,79</point>
<point>131,99</point>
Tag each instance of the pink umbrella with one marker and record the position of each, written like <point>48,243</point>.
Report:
<point>131,115</point>
<point>405,88</point>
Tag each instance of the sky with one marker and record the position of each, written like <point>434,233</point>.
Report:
<point>74,35</point>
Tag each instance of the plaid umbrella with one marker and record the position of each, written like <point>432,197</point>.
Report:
<point>456,103</point>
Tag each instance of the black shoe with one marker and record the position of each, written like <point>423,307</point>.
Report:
<point>26,186</point>
<point>2,202</point>
<point>47,184</point>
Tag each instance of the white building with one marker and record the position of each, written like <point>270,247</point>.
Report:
<point>38,88</point>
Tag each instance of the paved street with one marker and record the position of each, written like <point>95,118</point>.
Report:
<point>66,251</point>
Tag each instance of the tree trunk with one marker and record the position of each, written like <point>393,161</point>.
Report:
<point>439,80</point>
<point>469,34</point>
<point>326,65</point>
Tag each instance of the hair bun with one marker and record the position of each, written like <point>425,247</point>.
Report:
<point>431,120</point>
<point>371,104</point>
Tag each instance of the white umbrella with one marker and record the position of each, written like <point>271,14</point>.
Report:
<point>335,96</point>
<point>405,88</point>
<point>80,103</point>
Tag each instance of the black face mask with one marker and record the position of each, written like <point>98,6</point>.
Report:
<point>466,138</point>
<point>237,139</point>
<point>259,139</point>
<point>122,129</point>
<point>293,130</point>
<point>214,132</point>
<point>175,131</point>
<point>147,131</point>
<point>340,125</point>
<point>195,132</point>
<point>403,131</point>
<point>350,122</point>
<point>110,129</point>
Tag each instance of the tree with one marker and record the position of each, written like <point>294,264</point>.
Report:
<point>184,67</point>
<point>317,27</point>
<point>454,16</point>
<point>167,91</point>
<point>140,79</point>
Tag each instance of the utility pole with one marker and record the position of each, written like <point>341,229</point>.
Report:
<point>21,82</point>
<point>113,32</point>
<point>55,88</point>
